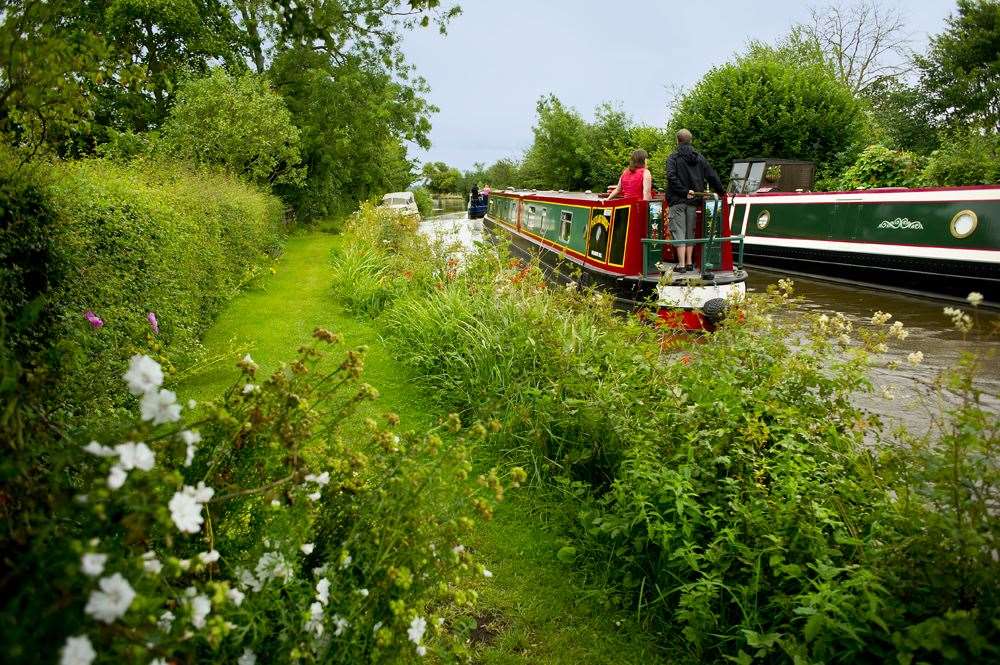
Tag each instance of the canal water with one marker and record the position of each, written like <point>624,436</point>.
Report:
<point>931,332</point>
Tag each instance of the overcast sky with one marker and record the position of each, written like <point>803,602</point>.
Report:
<point>499,56</point>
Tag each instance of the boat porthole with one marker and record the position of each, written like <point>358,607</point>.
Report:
<point>964,223</point>
<point>763,219</point>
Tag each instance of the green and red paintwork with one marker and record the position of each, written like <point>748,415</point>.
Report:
<point>619,246</point>
<point>942,241</point>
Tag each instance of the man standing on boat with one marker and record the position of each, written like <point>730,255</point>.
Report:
<point>687,174</point>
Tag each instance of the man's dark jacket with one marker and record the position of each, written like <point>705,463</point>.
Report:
<point>688,170</point>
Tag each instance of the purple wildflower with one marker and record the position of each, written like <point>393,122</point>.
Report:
<point>95,321</point>
<point>151,317</point>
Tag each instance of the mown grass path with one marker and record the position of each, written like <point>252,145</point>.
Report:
<point>533,609</point>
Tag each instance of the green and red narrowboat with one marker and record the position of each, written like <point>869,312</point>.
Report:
<point>939,241</point>
<point>619,246</point>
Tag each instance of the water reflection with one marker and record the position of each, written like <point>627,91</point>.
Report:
<point>930,331</point>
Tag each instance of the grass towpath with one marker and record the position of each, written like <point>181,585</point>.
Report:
<point>533,609</point>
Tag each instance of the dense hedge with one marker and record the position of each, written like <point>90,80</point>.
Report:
<point>143,238</point>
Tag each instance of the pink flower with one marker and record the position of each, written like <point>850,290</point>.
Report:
<point>151,317</point>
<point>95,321</point>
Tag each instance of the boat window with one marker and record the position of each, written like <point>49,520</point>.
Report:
<point>545,221</point>
<point>964,223</point>
<point>567,225</point>
<point>738,177</point>
<point>756,175</point>
<point>619,233</point>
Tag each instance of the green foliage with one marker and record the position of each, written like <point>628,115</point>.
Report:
<point>353,120</point>
<point>275,552</point>
<point>901,118</point>
<point>442,179</point>
<point>148,237</point>
<point>736,505</point>
<point>425,202</point>
<point>762,104</point>
<point>965,158</point>
<point>878,166</point>
<point>558,158</point>
<point>237,123</point>
<point>960,74</point>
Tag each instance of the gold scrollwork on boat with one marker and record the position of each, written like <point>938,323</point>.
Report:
<point>763,219</point>
<point>964,223</point>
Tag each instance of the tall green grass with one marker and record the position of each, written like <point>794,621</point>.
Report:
<point>723,485</point>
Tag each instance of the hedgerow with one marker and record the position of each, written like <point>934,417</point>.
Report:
<point>728,490</point>
<point>153,251</point>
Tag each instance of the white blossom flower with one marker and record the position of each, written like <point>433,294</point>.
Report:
<point>315,496</point>
<point>378,624</point>
<point>487,573</point>
<point>421,650</point>
<point>345,561</point>
<point>307,548</point>
<point>184,564</point>
<point>458,549</point>
<point>273,565</point>
<point>144,375</point>
<point>202,493</point>
<point>321,479</point>
<point>185,511</point>
<point>915,358</point>
<point>415,632</point>
<point>201,606</point>
<point>94,448</point>
<point>315,622</point>
<point>77,651</point>
<point>135,456</point>
<point>235,596</point>
<point>880,318</point>
<point>897,331</point>
<point>275,503</point>
<point>845,340</point>
<point>323,591</point>
<point>116,477</point>
<point>248,658</point>
<point>362,592</point>
<point>209,557</point>
<point>975,298</point>
<point>192,404</point>
<point>190,439</point>
<point>158,661</point>
<point>340,625</point>
<point>440,621</point>
<point>92,564</point>
<point>112,601</point>
<point>160,407</point>
<point>166,621</point>
<point>881,348</point>
<point>246,580</point>
<point>887,393</point>
<point>249,388</point>
<point>151,564</point>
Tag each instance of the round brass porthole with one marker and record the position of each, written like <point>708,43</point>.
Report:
<point>763,219</point>
<point>964,223</point>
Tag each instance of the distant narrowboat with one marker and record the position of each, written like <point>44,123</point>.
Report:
<point>477,206</point>
<point>941,241</point>
<point>619,245</point>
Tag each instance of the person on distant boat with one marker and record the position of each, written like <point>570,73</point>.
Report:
<point>474,195</point>
<point>636,181</point>
<point>687,174</point>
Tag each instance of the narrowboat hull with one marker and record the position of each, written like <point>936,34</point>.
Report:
<point>943,242</point>
<point>616,247</point>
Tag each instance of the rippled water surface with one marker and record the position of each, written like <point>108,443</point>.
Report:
<point>930,331</point>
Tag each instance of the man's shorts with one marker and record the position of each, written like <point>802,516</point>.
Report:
<point>682,221</point>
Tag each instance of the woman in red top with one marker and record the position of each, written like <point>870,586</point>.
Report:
<point>636,181</point>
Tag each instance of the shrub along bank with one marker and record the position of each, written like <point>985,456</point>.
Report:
<point>724,487</point>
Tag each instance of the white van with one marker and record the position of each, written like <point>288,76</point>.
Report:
<point>401,201</point>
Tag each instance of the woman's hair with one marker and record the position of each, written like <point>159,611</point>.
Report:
<point>638,159</point>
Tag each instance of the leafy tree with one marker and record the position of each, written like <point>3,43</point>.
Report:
<point>238,123</point>
<point>961,72</point>
<point>966,157</point>
<point>878,166</point>
<point>559,156</point>
<point>502,173</point>
<point>354,120</point>
<point>761,104</point>
<point>901,117</point>
<point>441,178</point>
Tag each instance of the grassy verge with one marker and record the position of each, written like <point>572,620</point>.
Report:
<point>534,608</point>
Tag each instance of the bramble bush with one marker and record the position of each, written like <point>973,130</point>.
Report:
<point>878,166</point>
<point>727,489</point>
<point>268,524</point>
